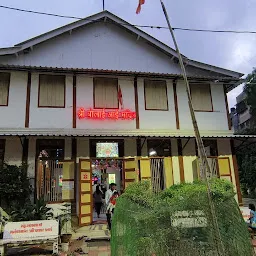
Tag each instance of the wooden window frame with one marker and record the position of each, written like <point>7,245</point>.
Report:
<point>166,93</point>
<point>39,86</point>
<point>8,90</point>
<point>109,78</point>
<point>210,91</point>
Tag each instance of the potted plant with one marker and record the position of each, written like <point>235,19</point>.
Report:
<point>65,224</point>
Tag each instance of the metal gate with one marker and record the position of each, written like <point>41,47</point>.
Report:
<point>49,179</point>
<point>55,180</point>
<point>157,174</point>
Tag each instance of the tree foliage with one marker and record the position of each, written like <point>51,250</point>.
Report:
<point>250,91</point>
<point>15,188</point>
<point>246,155</point>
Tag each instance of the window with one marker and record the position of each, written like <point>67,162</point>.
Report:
<point>105,93</point>
<point>51,91</point>
<point>2,149</point>
<point>201,97</point>
<point>155,92</point>
<point>4,88</point>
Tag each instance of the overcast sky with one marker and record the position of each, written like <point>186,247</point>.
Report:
<point>231,51</point>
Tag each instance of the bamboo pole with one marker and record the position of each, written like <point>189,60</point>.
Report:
<point>204,165</point>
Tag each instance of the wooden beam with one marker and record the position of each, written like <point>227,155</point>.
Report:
<point>74,101</point>
<point>136,103</point>
<point>176,105</point>
<point>28,101</point>
<point>181,164</point>
<point>227,108</point>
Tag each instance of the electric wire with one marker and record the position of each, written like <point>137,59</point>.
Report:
<point>132,25</point>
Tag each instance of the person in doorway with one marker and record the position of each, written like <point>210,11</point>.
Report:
<point>111,207</point>
<point>97,196</point>
<point>112,202</point>
<point>109,194</point>
<point>95,186</point>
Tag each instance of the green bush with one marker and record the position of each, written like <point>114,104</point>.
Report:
<point>15,188</point>
<point>29,211</point>
<point>178,221</point>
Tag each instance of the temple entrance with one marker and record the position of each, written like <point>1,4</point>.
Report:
<point>104,172</point>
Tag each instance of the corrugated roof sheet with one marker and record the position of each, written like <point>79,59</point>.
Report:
<point>230,82</point>
<point>111,133</point>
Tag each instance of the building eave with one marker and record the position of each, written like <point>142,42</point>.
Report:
<point>117,133</point>
<point>227,81</point>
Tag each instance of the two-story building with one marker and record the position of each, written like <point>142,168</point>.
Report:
<point>99,99</point>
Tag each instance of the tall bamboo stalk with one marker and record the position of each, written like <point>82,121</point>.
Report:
<point>204,165</point>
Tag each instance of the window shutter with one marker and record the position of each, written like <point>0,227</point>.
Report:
<point>201,97</point>
<point>52,91</point>
<point>156,95</point>
<point>105,93</point>
<point>4,88</point>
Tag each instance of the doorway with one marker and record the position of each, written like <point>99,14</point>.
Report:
<point>104,172</point>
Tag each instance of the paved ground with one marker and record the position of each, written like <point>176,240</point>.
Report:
<point>94,232</point>
<point>99,249</point>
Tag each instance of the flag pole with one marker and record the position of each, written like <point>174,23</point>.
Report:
<point>103,5</point>
<point>204,165</point>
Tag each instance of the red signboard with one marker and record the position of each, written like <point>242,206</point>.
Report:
<point>102,114</point>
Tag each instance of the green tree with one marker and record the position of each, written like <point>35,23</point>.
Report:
<point>246,155</point>
<point>247,170</point>
<point>250,91</point>
<point>15,188</point>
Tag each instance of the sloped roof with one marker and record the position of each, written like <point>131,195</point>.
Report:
<point>229,82</point>
<point>106,16</point>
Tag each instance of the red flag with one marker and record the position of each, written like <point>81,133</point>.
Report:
<point>141,2</point>
<point>120,96</point>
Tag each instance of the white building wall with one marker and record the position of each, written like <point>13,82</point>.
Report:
<point>207,121</point>
<point>85,100</point>
<point>50,117</point>
<point>61,118</point>
<point>156,119</point>
<point>13,115</point>
<point>99,46</point>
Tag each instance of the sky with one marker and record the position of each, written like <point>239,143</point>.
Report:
<point>231,51</point>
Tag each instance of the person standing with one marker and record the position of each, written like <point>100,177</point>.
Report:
<point>97,196</point>
<point>109,194</point>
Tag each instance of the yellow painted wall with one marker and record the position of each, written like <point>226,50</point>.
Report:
<point>168,172</point>
<point>175,162</point>
<point>224,150</point>
<point>189,156</point>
